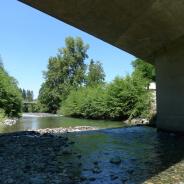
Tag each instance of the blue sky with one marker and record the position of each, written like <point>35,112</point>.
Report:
<point>29,37</point>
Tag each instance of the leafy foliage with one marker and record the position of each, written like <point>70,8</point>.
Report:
<point>79,90</point>
<point>86,102</point>
<point>95,75</point>
<point>145,69</point>
<point>123,98</point>
<point>65,71</point>
<point>10,96</point>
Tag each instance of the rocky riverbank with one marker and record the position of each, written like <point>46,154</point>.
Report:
<point>43,156</point>
<point>58,131</point>
<point>39,115</point>
<point>9,121</point>
<point>30,157</point>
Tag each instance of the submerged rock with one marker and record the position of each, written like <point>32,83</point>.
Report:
<point>113,177</point>
<point>115,160</point>
<point>96,170</point>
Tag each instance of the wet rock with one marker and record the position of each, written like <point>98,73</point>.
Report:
<point>79,156</point>
<point>130,171</point>
<point>113,177</point>
<point>83,178</point>
<point>67,151</point>
<point>37,180</point>
<point>124,180</point>
<point>80,164</point>
<point>9,181</point>
<point>115,160</point>
<point>95,162</point>
<point>47,135</point>
<point>92,179</point>
<point>96,170</point>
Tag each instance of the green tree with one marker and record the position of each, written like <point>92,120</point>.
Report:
<point>24,96</point>
<point>29,95</point>
<point>1,63</point>
<point>65,71</point>
<point>10,96</point>
<point>145,69</point>
<point>95,74</point>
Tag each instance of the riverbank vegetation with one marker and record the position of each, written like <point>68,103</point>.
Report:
<point>10,96</point>
<point>74,88</point>
<point>124,98</point>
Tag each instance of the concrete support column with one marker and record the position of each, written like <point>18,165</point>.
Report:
<point>170,89</point>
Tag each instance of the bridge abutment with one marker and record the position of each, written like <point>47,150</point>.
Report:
<point>170,89</point>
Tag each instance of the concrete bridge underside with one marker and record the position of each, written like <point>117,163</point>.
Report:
<point>149,29</point>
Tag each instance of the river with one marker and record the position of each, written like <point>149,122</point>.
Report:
<point>36,121</point>
<point>141,154</point>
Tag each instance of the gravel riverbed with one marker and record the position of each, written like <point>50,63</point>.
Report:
<point>37,157</point>
<point>54,156</point>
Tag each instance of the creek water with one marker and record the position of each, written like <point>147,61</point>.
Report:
<point>143,152</point>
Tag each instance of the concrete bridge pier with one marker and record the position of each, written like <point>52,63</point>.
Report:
<point>170,88</point>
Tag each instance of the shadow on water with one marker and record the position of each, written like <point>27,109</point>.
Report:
<point>87,157</point>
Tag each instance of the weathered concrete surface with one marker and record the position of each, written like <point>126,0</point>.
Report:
<point>149,29</point>
<point>170,88</point>
<point>139,27</point>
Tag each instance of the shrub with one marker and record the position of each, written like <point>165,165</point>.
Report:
<point>123,98</point>
<point>128,98</point>
<point>88,102</point>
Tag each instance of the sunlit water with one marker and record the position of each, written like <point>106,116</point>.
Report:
<point>143,151</point>
<point>26,123</point>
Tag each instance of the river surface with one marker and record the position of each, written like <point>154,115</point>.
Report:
<point>31,121</point>
<point>145,155</point>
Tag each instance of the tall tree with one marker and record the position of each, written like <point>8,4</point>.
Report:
<point>27,95</point>
<point>145,69</point>
<point>24,95</point>
<point>64,72</point>
<point>10,96</point>
<point>1,63</point>
<point>96,74</point>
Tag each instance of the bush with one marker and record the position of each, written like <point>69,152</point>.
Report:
<point>128,98</point>
<point>121,99</point>
<point>86,102</point>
